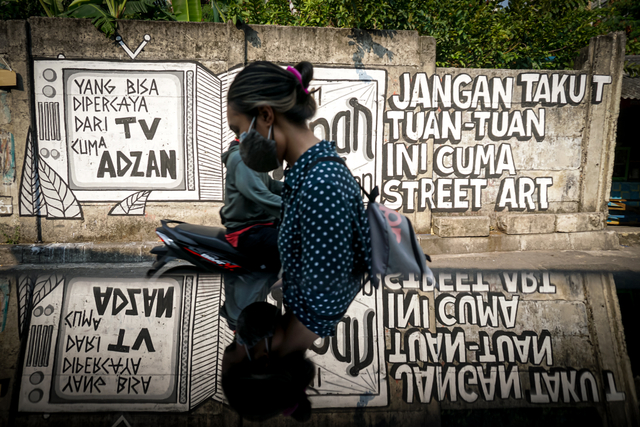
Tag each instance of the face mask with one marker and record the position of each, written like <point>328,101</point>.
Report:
<point>257,152</point>
<point>256,322</point>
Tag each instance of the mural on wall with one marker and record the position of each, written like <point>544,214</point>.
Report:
<point>476,125</point>
<point>98,343</point>
<point>138,132</point>
<point>7,158</point>
<point>133,344</point>
<point>155,131</point>
<point>146,39</point>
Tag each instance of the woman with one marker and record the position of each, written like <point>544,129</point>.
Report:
<point>323,238</point>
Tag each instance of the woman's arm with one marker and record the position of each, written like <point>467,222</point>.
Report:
<point>293,337</point>
<point>275,186</point>
<point>327,241</point>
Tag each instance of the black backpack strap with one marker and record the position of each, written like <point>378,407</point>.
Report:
<point>324,159</point>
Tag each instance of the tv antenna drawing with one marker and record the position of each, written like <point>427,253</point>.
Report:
<point>141,46</point>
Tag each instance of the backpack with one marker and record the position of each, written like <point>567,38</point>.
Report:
<point>394,246</point>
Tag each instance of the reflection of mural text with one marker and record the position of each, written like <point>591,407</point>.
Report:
<point>472,352</point>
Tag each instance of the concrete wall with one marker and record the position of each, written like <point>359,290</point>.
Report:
<point>126,133</point>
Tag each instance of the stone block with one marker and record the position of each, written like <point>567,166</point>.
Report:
<point>334,46</point>
<point>527,223</point>
<point>428,54</point>
<point>594,241</point>
<point>434,245</point>
<point>10,255</point>
<point>582,221</point>
<point>461,226</point>
<point>421,221</point>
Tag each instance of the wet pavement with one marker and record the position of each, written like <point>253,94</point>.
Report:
<point>533,337</point>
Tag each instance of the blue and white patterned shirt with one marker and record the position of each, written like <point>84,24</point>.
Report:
<point>324,240</point>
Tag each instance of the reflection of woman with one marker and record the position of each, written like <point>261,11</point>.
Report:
<point>241,290</point>
<point>323,238</point>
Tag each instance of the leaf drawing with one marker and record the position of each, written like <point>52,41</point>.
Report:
<point>31,198</point>
<point>44,286</point>
<point>135,204</point>
<point>25,288</point>
<point>61,203</point>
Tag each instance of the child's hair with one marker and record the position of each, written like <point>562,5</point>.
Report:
<point>259,392</point>
<point>265,83</point>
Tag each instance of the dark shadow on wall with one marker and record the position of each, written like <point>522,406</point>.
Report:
<point>628,289</point>
<point>250,36</point>
<point>363,41</point>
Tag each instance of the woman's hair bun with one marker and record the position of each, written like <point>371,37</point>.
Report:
<point>306,71</point>
<point>265,83</point>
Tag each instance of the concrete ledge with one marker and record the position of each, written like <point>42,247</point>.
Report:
<point>527,223</point>
<point>498,242</point>
<point>628,236</point>
<point>589,241</point>
<point>435,245</point>
<point>461,226</point>
<point>59,253</point>
<point>545,242</point>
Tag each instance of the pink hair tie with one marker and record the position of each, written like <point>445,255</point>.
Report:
<point>298,76</point>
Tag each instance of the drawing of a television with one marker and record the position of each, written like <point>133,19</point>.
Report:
<point>155,131</point>
<point>112,128</point>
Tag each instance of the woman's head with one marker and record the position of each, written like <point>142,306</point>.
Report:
<point>268,107</point>
<point>263,83</point>
<point>258,392</point>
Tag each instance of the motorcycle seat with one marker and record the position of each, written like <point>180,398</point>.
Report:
<point>204,231</point>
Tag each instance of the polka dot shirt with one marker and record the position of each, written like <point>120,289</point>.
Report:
<point>324,240</point>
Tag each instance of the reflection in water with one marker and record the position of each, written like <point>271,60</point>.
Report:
<point>96,342</point>
<point>240,290</point>
<point>500,338</point>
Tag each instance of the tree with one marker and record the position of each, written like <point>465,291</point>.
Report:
<point>544,34</point>
<point>625,16</point>
<point>105,13</point>
<point>20,9</point>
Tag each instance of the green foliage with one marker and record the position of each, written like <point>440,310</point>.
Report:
<point>20,9</point>
<point>632,69</point>
<point>187,10</point>
<point>11,234</point>
<point>104,13</point>
<point>210,13</point>
<point>625,16</point>
<point>100,17</point>
<point>52,7</point>
<point>542,34</point>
